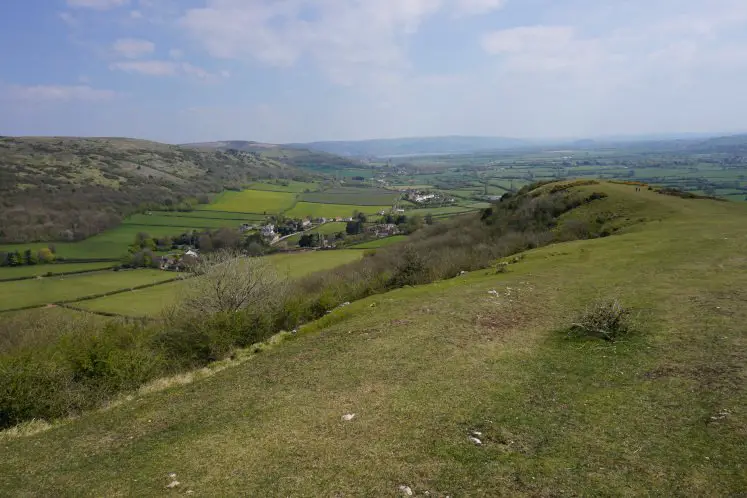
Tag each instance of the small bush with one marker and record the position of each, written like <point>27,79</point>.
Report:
<point>608,320</point>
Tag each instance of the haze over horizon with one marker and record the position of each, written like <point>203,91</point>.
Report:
<point>303,70</point>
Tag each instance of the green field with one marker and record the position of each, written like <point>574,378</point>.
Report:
<point>387,241</point>
<point>211,215</point>
<point>293,187</point>
<point>325,229</point>
<point>151,301</point>
<point>142,302</point>
<point>55,289</point>
<point>316,210</point>
<point>41,270</point>
<point>299,264</point>
<point>357,196</point>
<point>156,219</point>
<point>449,210</point>
<point>251,201</point>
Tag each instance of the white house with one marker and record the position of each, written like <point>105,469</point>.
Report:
<point>192,253</point>
<point>268,231</point>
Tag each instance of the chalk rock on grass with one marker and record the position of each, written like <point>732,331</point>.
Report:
<point>475,440</point>
<point>406,490</point>
<point>348,417</point>
<point>173,484</point>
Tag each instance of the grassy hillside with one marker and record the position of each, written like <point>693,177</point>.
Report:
<point>660,413</point>
<point>71,188</point>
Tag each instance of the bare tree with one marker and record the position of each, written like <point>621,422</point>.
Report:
<point>226,281</point>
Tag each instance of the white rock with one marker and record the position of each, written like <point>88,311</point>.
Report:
<point>475,440</point>
<point>172,475</point>
<point>173,484</point>
<point>348,417</point>
<point>477,433</point>
<point>406,490</point>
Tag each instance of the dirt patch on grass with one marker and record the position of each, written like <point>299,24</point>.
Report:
<point>722,377</point>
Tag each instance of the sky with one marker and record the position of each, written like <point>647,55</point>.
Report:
<point>302,70</point>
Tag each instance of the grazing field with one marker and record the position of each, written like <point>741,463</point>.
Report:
<point>251,201</point>
<point>317,210</point>
<point>358,196</point>
<point>441,211</point>
<point>55,289</point>
<point>387,241</point>
<point>156,219</point>
<point>293,187</point>
<point>147,302</point>
<point>211,215</point>
<point>151,301</point>
<point>55,269</point>
<point>298,264</point>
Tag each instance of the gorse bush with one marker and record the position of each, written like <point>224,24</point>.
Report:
<point>233,302</point>
<point>605,319</point>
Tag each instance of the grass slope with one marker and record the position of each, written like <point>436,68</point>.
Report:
<point>659,414</point>
<point>387,241</point>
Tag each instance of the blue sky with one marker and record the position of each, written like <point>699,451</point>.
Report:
<point>302,70</point>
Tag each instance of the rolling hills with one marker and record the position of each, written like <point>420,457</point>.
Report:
<point>59,188</point>
<point>425,368</point>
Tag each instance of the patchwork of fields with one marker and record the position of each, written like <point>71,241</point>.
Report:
<point>228,210</point>
<point>149,302</point>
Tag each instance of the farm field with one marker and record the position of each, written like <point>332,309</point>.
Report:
<point>375,244</point>
<point>448,210</point>
<point>55,269</point>
<point>210,215</point>
<point>358,196</point>
<point>54,289</point>
<point>147,302</point>
<point>156,219</point>
<point>251,201</point>
<point>303,263</point>
<point>152,300</point>
<point>317,210</point>
<point>293,187</point>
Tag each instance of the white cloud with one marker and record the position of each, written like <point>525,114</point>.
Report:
<point>167,68</point>
<point>343,38</point>
<point>133,48</point>
<point>68,19</point>
<point>150,68</point>
<point>136,14</point>
<point>477,7</point>
<point>60,93</point>
<point>97,4</point>
<point>175,53</point>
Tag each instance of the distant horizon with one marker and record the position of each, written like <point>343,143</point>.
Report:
<point>530,140</point>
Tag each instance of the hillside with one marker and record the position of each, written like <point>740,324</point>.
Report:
<point>71,188</point>
<point>414,146</point>
<point>485,354</point>
<point>299,157</point>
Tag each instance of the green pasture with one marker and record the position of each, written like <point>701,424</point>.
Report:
<point>293,187</point>
<point>317,210</point>
<point>251,201</point>
<point>66,288</point>
<point>385,242</point>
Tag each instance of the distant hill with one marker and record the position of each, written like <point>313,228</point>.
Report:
<point>317,161</point>
<point>60,188</point>
<point>414,146</point>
